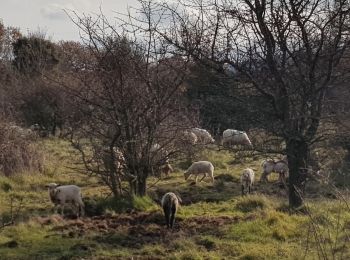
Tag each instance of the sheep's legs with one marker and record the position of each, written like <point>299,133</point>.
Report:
<point>167,216</point>
<point>81,207</point>
<point>172,218</point>
<point>264,177</point>
<point>242,187</point>
<point>62,209</point>
<point>202,177</point>
<point>55,208</point>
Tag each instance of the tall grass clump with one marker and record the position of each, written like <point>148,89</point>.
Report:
<point>98,206</point>
<point>328,229</point>
<point>18,151</point>
<point>252,203</point>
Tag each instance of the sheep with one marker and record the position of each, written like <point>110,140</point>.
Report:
<point>61,195</point>
<point>116,160</point>
<point>160,160</point>
<point>229,70</point>
<point>188,138</point>
<point>247,180</point>
<point>202,167</point>
<point>170,203</point>
<point>166,169</point>
<point>280,167</point>
<point>203,136</point>
<point>235,137</point>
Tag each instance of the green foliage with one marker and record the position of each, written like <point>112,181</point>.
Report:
<point>34,54</point>
<point>144,203</point>
<point>6,187</point>
<point>44,106</point>
<point>97,206</point>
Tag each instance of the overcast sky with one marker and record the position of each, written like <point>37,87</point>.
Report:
<point>49,17</point>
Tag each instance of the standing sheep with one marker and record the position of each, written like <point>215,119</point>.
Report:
<point>247,180</point>
<point>203,136</point>
<point>170,203</point>
<point>166,169</point>
<point>202,167</point>
<point>188,138</point>
<point>235,137</point>
<point>62,195</point>
<point>280,167</point>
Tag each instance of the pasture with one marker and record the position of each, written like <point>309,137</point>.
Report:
<point>213,222</point>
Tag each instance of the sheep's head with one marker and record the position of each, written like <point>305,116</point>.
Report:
<point>178,198</point>
<point>52,186</point>
<point>248,142</point>
<point>52,191</point>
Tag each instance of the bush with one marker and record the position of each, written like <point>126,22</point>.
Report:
<point>18,151</point>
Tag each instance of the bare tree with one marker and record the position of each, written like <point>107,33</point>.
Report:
<point>287,51</point>
<point>128,96</point>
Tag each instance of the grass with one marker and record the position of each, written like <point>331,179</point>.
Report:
<point>213,222</point>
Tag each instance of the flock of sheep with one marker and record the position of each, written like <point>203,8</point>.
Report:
<point>61,195</point>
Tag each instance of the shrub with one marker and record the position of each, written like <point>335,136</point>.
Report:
<point>18,151</point>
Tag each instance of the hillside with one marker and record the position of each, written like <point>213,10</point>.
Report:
<point>214,221</point>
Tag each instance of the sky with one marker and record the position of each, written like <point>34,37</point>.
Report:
<point>47,16</point>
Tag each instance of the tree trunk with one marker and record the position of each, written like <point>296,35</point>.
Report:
<point>138,186</point>
<point>297,152</point>
<point>141,186</point>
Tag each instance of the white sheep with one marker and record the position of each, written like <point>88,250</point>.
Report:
<point>280,167</point>
<point>202,167</point>
<point>229,69</point>
<point>188,138</point>
<point>247,180</point>
<point>170,203</point>
<point>203,136</point>
<point>235,137</point>
<point>62,195</point>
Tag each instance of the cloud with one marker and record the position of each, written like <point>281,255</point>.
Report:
<point>56,11</point>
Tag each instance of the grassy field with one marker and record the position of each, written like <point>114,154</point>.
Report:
<point>214,221</point>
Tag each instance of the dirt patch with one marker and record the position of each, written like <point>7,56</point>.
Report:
<point>226,177</point>
<point>136,229</point>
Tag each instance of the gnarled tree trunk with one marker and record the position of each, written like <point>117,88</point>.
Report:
<point>297,153</point>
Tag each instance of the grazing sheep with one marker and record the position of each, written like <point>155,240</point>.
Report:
<point>166,169</point>
<point>280,167</point>
<point>247,180</point>
<point>188,138</point>
<point>202,167</point>
<point>160,160</point>
<point>170,203</point>
<point>203,136</point>
<point>62,195</point>
<point>235,137</point>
